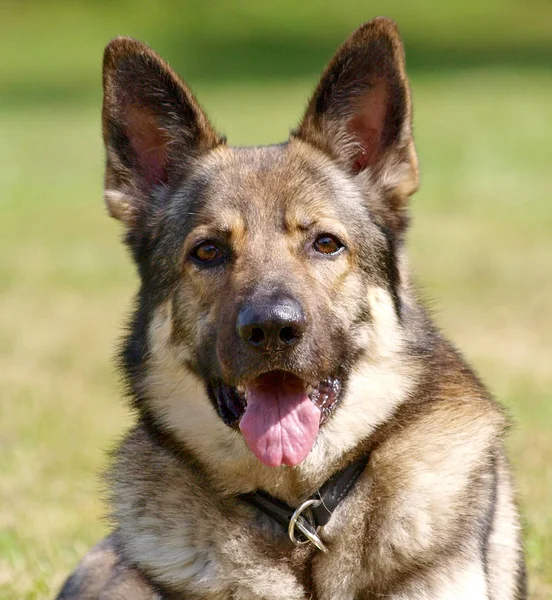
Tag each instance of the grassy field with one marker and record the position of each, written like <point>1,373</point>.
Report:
<point>480,243</point>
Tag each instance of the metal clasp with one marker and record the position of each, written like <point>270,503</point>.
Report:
<point>306,527</point>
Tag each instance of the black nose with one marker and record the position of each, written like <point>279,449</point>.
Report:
<point>272,325</point>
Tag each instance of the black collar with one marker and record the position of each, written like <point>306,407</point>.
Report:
<point>302,523</point>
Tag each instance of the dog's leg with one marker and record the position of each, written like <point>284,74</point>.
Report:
<point>101,576</point>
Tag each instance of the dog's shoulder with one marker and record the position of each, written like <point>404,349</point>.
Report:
<point>451,420</point>
<point>102,575</point>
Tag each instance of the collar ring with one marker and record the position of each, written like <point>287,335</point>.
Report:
<point>305,526</point>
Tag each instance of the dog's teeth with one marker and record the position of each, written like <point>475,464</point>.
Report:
<point>309,389</point>
<point>241,389</point>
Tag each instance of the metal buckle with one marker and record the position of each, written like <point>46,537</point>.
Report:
<point>306,527</point>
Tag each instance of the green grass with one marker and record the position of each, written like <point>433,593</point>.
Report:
<point>480,242</point>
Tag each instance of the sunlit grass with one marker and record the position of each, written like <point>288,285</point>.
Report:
<point>480,245</point>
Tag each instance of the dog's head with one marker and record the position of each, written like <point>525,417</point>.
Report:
<point>258,265</point>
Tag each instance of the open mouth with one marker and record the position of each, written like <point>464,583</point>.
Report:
<point>278,413</point>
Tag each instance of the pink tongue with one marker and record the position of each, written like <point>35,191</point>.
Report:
<point>280,422</point>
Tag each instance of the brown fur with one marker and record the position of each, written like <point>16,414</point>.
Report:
<point>433,514</point>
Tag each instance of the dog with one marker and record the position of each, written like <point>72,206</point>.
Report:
<point>303,429</point>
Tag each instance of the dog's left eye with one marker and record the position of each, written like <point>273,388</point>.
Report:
<point>207,254</point>
<point>327,244</point>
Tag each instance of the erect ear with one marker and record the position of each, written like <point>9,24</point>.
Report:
<point>153,128</point>
<point>360,113</point>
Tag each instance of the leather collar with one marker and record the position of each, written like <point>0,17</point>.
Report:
<point>316,511</point>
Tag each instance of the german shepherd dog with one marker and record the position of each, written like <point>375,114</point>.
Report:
<point>277,346</point>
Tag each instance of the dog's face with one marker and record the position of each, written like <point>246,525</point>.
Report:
<point>260,261</point>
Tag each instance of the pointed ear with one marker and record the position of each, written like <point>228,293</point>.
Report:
<point>153,127</point>
<point>360,113</point>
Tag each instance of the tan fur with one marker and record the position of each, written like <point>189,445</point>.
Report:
<point>433,514</point>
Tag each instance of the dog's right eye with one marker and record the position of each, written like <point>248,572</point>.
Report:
<point>328,244</point>
<point>207,254</point>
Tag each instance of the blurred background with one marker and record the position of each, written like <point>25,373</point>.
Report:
<point>481,74</point>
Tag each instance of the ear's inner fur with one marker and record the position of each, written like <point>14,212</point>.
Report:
<point>153,127</point>
<point>149,142</point>
<point>360,115</point>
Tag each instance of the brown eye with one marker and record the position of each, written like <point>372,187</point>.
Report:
<point>207,254</point>
<point>327,244</point>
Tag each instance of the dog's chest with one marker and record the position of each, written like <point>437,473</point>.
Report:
<point>188,541</point>
<point>317,577</point>
<point>261,568</point>
<point>240,561</point>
